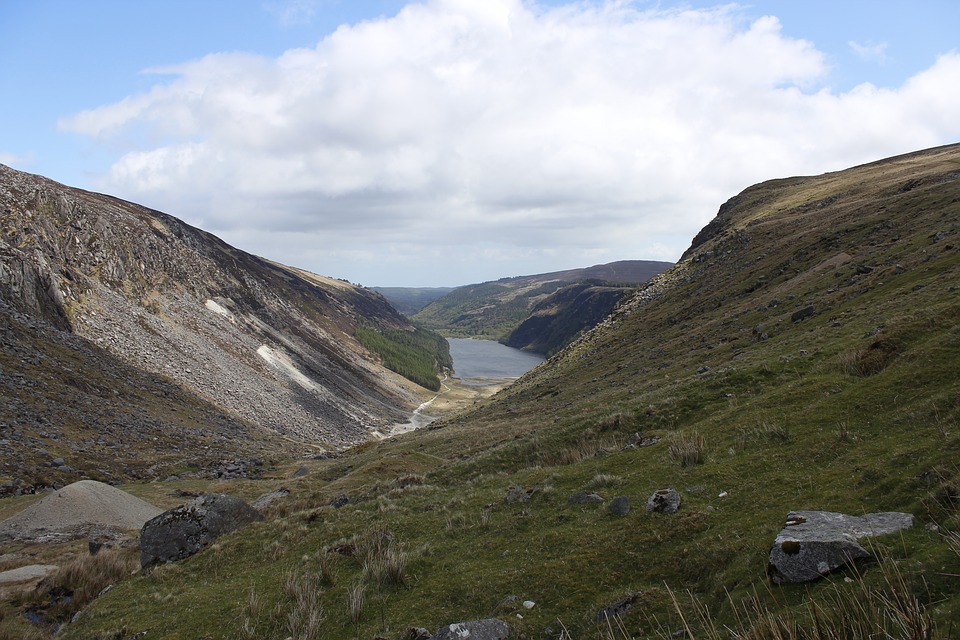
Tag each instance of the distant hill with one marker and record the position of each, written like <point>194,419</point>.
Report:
<point>409,300</point>
<point>559,318</point>
<point>491,310</point>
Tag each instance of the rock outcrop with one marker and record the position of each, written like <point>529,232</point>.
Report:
<point>814,543</point>
<point>185,530</point>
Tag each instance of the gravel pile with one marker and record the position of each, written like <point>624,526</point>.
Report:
<point>81,509</point>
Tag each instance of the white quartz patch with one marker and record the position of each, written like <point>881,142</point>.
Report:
<point>283,362</point>
<point>220,309</point>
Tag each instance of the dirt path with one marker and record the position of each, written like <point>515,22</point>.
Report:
<point>454,396</point>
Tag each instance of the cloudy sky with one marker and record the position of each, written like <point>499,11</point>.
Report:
<point>447,142</point>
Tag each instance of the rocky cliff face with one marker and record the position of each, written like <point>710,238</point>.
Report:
<point>266,345</point>
<point>557,320</point>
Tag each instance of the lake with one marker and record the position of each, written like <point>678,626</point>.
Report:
<point>479,361</point>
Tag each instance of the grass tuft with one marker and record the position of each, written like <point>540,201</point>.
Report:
<point>870,360</point>
<point>305,616</point>
<point>604,480</point>
<point>688,449</point>
<point>853,611</point>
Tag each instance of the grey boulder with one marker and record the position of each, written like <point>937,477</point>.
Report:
<point>663,501</point>
<point>181,532</point>
<point>489,629</point>
<point>814,543</point>
<point>620,506</point>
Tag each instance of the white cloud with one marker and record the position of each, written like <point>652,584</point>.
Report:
<point>499,138</point>
<point>870,51</point>
<point>293,12</point>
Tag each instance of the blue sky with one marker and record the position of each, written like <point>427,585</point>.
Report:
<point>446,142</point>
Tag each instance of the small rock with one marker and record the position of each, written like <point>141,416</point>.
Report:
<point>638,440</point>
<point>490,629</point>
<point>518,494</point>
<point>803,314</point>
<point>616,609</point>
<point>584,497</point>
<point>529,604</point>
<point>663,501</point>
<point>340,501</point>
<point>620,506</point>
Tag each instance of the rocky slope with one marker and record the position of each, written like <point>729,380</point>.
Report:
<point>267,348</point>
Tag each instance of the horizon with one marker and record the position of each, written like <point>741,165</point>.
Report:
<point>444,143</point>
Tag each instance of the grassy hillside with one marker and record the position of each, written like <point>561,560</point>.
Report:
<point>491,310</point>
<point>804,354</point>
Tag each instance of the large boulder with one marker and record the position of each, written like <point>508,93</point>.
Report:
<point>181,532</point>
<point>814,543</point>
<point>489,629</point>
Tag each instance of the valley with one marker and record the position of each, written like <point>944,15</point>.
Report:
<point>801,356</point>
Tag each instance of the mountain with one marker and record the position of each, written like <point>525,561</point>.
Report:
<point>128,326</point>
<point>409,300</point>
<point>493,309</point>
<point>559,318</point>
<point>802,355</point>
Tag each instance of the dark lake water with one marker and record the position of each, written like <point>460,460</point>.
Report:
<point>486,359</point>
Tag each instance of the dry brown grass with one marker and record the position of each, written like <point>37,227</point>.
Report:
<point>82,579</point>
<point>355,600</point>
<point>688,448</point>
<point>869,360</point>
<point>848,612</point>
<point>305,616</point>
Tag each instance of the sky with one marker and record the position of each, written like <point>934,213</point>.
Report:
<point>450,142</point>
